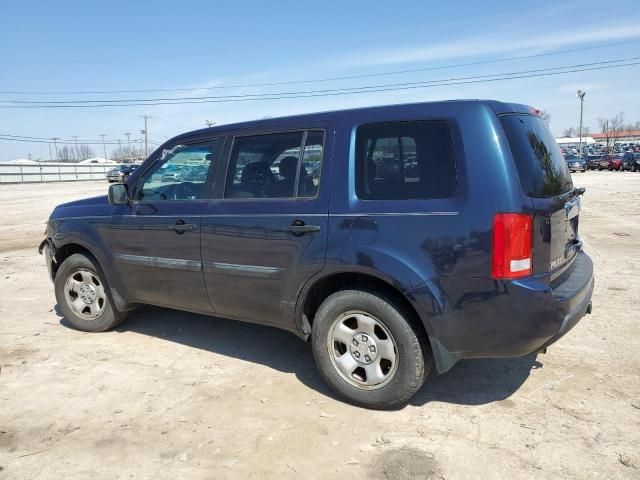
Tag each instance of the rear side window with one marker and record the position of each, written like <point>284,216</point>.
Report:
<point>277,165</point>
<point>405,160</point>
<point>541,167</point>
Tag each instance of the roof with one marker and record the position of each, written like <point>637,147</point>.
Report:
<point>370,112</point>
<point>626,133</point>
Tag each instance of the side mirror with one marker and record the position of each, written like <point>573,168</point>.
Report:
<point>118,194</point>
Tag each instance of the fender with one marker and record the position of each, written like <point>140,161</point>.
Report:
<point>91,233</point>
<point>413,281</point>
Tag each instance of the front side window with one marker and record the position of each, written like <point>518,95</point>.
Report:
<point>180,173</point>
<point>272,166</point>
<point>405,160</point>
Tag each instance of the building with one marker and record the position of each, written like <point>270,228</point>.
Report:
<point>575,141</point>
<point>627,136</point>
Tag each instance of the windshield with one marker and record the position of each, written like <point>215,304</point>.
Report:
<point>541,167</point>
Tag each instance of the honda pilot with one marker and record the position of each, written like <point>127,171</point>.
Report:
<point>395,239</point>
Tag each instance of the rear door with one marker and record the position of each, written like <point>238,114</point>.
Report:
<point>155,239</point>
<point>546,180</point>
<point>268,235</point>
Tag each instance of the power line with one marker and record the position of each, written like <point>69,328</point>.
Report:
<point>326,79</point>
<point>55,142</point>
<point>304,92</point>
<point>64,140</point>
<point>349,91</point>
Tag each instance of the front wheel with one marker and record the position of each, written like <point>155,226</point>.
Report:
<point>83,295</point>
<point>369,350</point>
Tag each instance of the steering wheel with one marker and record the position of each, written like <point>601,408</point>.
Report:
<point>186,191</point>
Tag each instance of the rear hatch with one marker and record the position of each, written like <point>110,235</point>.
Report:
<point>546,180</point>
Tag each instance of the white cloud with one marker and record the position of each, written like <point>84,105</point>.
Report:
<point>494,44</point>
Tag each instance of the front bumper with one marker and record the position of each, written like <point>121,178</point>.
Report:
<point>47,249</point>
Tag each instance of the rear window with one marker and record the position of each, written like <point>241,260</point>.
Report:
<point>405,160</point>
<point>541,167</point>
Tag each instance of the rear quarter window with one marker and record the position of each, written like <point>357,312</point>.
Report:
<point>541,167</point>
<point>405,160</point>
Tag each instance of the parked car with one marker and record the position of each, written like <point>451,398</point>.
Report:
<point>609,162</point>
<point>575,163</point>
<point>630,161</point>
<point>196,173</point>
<point>171,176</point>
<point>121,173</point>
<point>387,272</point>
<point>593,162</point>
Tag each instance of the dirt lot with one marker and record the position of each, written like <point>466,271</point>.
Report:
<point>176,395</point>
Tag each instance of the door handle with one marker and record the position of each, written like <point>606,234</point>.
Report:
<point>181,227</point>
<point>298,227</point>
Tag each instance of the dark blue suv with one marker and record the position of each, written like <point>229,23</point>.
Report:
<point>393,238</point>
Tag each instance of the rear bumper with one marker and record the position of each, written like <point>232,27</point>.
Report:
<point>511,318</point>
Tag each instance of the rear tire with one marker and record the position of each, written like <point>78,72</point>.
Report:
<point>369,350</point>
<point>83,295</point>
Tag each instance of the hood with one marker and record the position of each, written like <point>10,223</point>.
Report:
<point>99,200</point>
<point>86,207</point>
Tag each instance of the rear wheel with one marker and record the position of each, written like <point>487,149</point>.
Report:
<point>369,350</point>
<point>83,295</point>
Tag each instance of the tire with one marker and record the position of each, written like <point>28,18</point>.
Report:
<point>633,168</point>
<point>84,296</point>
<point>398,379</point>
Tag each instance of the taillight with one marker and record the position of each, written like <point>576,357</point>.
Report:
<point>512,245</point>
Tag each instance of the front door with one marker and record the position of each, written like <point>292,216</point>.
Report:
<point>268,235</point>
<point>155,239</point>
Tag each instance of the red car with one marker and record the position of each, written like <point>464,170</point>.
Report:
<point>610,162</point>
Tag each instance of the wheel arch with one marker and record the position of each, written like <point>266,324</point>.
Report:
<point>319,288</point>
<point>71,245</point>
<point>65,250</point>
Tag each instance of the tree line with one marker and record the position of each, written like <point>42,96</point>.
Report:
<point>71,154</point>
<point>611,128</point>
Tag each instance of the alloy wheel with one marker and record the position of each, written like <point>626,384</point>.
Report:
<point>362,350</point>
<point>85,294</point>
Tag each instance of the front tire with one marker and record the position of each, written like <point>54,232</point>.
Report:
<point>369,350</point>
<point>83,295</point>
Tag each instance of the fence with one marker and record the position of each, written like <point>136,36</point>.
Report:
<point>52,172</point>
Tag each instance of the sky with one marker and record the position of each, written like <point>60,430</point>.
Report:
<point>223,48</point>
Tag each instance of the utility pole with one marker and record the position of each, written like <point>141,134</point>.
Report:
<point>128,134</point>
<point>55,146</point>
<point>580,95</point>
<point>104,146</point>
<point>77,150</point>
<point>146,133</point>
<point>209,123</point>
<point>50,157</point>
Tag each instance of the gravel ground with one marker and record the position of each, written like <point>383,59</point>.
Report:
<point>178,395</point>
